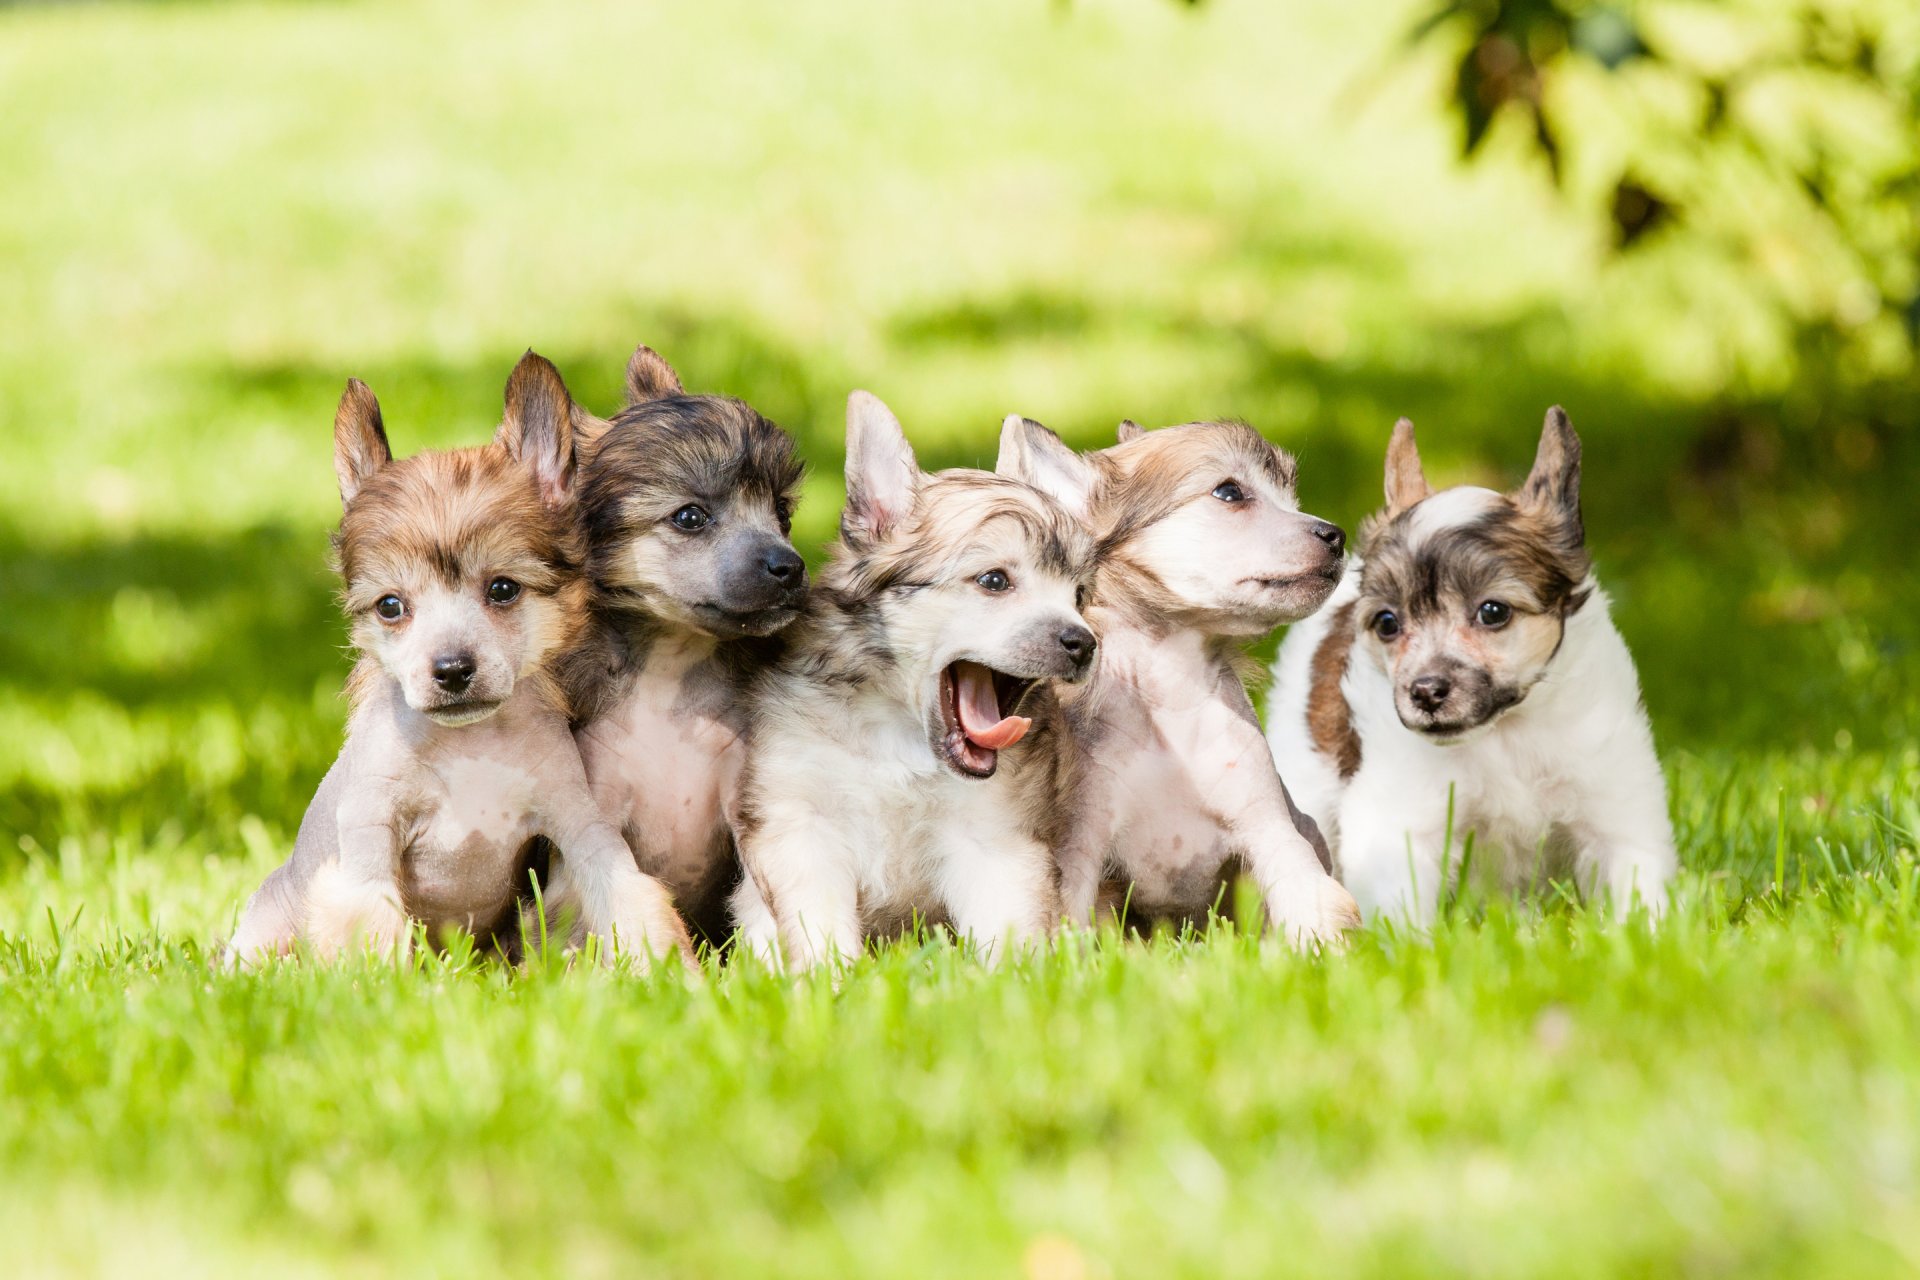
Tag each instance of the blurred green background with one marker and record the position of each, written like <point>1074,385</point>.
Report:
<point>216,213</point>
<point>1691,224</point>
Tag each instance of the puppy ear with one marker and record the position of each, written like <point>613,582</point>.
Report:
<point>1130,430</point>
<point>359,439</point>
<point>1034,455</point>
<point>538,427</point>
<point>587,428</point>
<point>1406,481</point>
<point>1554,483</point>
<point>650,378</point>
<point>882,474</point>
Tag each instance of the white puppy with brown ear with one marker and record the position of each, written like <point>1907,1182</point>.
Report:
<point>1203,548</point>
<point>1469,668</point>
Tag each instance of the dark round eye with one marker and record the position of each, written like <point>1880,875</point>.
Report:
<point>784,510</point>
<point>1385,624</point>
<point>1494,614</point>
<point>503,591</point>
<point>994,580</point>
<point>1229,491</point>
<point>691,518</point>
<point>1081,594</point>
<point>390,608</point>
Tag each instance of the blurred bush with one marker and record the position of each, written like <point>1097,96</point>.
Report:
<point>1783,135</point>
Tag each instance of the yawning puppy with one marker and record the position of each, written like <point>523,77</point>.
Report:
<point>905,756</point>
<point>688,503</point>
<point>1203,548</point>
<point>467,595</point>
<point>1471,663</point>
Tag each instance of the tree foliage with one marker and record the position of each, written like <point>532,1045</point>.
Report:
<point>1784,135</point>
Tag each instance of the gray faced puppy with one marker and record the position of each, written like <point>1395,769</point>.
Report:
<point>1202,547</point>
<point>688,502</point>
<point>464,583</point>
<point>905,756</point>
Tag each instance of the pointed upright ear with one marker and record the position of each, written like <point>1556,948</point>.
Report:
<point>1554,483</point>
<point>1034,455</point>
<point>650,378</point>
<point>1130,430</point>
<point>882,475</point>
<point>1406,481</point>
<point>538,427</point>
<point>359,439</point>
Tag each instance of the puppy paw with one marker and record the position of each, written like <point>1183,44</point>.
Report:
<point>1315,914</point>
<point>647,929</point>
<point>344,914</point>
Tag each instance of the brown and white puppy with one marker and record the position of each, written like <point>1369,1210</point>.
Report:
<point>906,757</point>
<point>688,502</point>
<point>1469,672</point>
<point>465,585</point>
<point>1203,547</point>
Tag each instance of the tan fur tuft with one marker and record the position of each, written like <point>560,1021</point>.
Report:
<point>1329,718</point>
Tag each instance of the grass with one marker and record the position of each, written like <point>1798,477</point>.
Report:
<point>215,213</point>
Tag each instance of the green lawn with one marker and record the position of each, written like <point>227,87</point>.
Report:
<point>213,214</point>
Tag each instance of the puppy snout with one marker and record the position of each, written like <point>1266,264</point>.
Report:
<point>1332,535</point>
<point>784,566</point>
<point>453,672</point>
<point>1079,644</point>
<point>1429,693</point>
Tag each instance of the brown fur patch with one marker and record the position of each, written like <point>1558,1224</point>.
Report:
<point>1329,718</point>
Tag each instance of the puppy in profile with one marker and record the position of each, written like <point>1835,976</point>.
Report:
<point>1469,669</point>
<point>1203,549</point>
<point>466,590</point>
<point>688,503</point>
<point>906,754</point>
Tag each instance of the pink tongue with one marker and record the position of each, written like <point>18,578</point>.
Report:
<point>979,709</point>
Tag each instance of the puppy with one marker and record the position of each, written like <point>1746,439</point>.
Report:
<point>906,756</point>
<point>1203,548</point>
<point>465,587</point>
<point>1469,669</point>
<point>688,502</point>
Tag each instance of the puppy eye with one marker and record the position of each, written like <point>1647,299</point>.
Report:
<point>784,510</point>
<point>691,518</point>
<point>1229,491</point>
<point>390,608</point>
<point>994,580</point>
<point>1080,597</point>
<point>1385,624</point>
<point>1494,614</point>
<point>503,591</point>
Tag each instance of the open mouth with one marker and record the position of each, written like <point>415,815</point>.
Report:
<point>976,716</point>
<point>455,714</point>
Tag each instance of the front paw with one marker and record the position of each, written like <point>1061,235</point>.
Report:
<point>1314,913</point>
<point>343,914</point>
<point>647,929</point>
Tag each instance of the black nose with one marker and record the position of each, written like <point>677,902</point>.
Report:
<point>1079,644</point>
<point>454,673</point>
<point>1429,693</point>
<point>785,566</point>
<point>1332,534</point>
